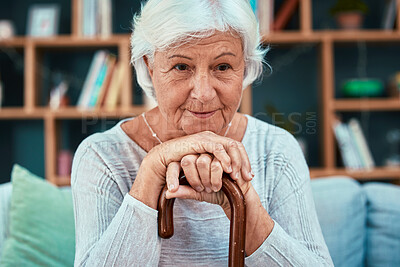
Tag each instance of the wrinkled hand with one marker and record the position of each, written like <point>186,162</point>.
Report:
<point>203,157</point>
<point>204,174</point>
<point>195,155</point>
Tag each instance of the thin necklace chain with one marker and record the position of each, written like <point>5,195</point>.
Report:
<point>158,139</point>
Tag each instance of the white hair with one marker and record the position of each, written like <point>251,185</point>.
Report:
<point>162,24</point>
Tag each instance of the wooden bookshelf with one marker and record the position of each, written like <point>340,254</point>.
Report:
<point>14,42</point>
<point>20,113</point>
<point>325,41</point>
<point>337,36</point>
<point>379,173</point>
<point>367,104</point>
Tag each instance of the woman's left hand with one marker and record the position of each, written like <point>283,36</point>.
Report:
<point>204,171</point>
<point>204,174</point>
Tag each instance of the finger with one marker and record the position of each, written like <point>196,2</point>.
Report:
<point>216,175</point>
<point>172,176</point>
<point>203,167</point>
<point>236,159</point>
<point>188,164</point>
<point>247,173</point>
<point>186,192</point>
<point>219,151</point>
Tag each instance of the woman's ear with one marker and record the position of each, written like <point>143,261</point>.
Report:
<point>146,61</point>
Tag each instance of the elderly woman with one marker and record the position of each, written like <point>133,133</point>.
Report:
<point>194,57</point>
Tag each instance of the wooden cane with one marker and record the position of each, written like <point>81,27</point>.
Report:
<point>238,218</point>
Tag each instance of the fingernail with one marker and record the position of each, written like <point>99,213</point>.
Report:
<point>215,189</point>
<point>252,174</point>
<point>237,175</point>
<point>208,190</point>
<point>171,187</point>
<point>199,188</point>
<point>230,169</point>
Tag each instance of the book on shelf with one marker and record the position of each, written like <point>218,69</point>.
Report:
<point>284,13</point>
<point>265,15</point>
<point>58,97</point>
<point>363,150</point>
<point>389,15</point>
<point>344,143</point>
<point>100,84</point>
<point>352,145</point>
<point>97,18</point>
<point>115,87</point>
<point>94,69</point>
<point>88,20</point>
<point>112,60</point>
<point>104,18</point>
<point>100,81</point>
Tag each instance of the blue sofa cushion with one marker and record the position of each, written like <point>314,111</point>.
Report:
<point>383,224</point>
<point>341,207</point>
<point>42,231</point>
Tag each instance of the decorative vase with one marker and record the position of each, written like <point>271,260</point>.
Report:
<point>350,20</point>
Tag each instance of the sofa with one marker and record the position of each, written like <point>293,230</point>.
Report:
<point>360,222</point>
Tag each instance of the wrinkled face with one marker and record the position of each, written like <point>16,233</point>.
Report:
<point>199,85</point>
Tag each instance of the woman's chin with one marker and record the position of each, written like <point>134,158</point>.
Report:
<point>195,126</point>
<point>198,128</point>
<point>192,124</point>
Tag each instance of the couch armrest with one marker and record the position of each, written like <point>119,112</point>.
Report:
<point>341,208</point>
<point>5,202</point>
<point>383,224</point>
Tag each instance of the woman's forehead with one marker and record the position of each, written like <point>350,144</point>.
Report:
<point>219,41</point>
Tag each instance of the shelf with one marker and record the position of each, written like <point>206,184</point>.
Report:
<point>275,37</point>
<point>379,173</point>
<point>68,113</point>
<point>66,41</point>
<point>362,35</point>
<point>371,104</point>
<point>74,113</point>
<point>334,36</point>
<point>79,42</point>
<point>291,37</point>
<point>13,42</point>
<point>20,113</point>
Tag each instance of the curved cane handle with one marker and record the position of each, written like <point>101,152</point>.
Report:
<point>238,218</point>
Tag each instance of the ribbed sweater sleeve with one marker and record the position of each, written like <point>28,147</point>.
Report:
<point>112,229</point>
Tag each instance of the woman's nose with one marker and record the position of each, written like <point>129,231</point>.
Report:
<point>202,87</point>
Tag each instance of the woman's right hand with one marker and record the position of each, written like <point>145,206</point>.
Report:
<point>151,177</point>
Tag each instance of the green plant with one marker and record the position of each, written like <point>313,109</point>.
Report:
<point>349,5</point>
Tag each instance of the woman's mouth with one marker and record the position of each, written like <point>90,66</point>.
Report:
<point>202,115</point>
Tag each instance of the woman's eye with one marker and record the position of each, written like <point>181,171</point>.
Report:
<point>223,67</point>
<point>181,67</point>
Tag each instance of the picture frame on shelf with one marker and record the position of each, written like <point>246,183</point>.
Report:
<point>43,20</point>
